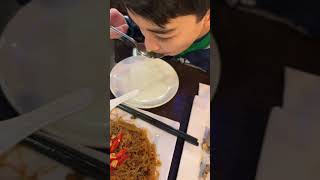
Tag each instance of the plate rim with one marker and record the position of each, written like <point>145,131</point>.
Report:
<point>150,106</point>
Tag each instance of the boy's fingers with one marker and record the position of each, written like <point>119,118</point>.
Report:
<point>123,28</point>
<point>116,18</point>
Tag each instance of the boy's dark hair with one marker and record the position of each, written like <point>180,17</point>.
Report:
<point>161,11</point>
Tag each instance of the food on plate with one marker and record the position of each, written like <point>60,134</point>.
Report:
<point>205,159</point>
<point>132,155</point>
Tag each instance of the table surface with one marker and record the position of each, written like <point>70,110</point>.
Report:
<point>178,108</point>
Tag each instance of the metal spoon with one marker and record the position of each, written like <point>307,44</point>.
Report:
<point>140,49</point>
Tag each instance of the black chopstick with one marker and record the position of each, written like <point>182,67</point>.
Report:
<point>161,125</point>
<point>79,161</point>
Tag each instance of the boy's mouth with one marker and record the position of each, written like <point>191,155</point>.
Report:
<point>157,52</point>
<point>164,53</point>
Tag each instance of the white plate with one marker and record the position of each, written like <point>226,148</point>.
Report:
<point>165,142</point>
<point>155,78</point>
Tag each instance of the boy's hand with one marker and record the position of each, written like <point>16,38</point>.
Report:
<point>117,20</point>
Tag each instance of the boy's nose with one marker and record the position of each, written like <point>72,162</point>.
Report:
<point>151,44</point>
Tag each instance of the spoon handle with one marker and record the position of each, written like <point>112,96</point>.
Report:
<point>12,131</point>
<point>115,102</point>
<point>123,35</point>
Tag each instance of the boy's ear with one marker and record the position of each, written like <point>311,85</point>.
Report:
<point>206,18</point>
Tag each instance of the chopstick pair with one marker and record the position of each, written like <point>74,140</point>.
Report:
<point>161,125</point>
<point>79,161</point>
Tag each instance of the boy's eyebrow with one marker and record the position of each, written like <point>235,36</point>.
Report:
<point>161,31</point>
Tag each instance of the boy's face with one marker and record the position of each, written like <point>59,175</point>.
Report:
<point>175,37</point>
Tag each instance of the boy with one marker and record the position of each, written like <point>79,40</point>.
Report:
<point>178,29</point>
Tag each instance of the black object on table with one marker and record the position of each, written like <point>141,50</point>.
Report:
<point>160,125</point>
<point>80,162</point>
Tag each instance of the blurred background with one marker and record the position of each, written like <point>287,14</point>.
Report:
<point>257,40</point>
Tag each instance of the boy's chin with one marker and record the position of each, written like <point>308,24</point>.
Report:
<point>171,54</point>
<point>174,53</point>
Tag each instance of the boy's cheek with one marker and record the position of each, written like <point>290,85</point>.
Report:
<point>176,50</point>
<point>175,47</point>
<point>179,48</point>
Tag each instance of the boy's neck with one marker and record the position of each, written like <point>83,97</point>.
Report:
<point>203,33</point>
